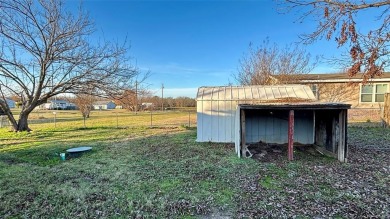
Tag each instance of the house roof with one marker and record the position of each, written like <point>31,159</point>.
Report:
<point>58,101</point>
<point>257,93</point>
<point>340,77</point>
<point>103,102</point>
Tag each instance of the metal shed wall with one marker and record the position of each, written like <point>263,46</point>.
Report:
<point>272,128</point>
<point>216,121</point>
<point>216,108</point>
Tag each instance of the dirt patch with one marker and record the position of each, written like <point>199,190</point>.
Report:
<point>265,152</point>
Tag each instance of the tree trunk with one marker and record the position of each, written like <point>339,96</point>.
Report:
<point>22,123</point>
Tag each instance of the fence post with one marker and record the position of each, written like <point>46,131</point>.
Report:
<point>386,111</point>
<point>117,126</point>
<point>151,119</point>
<point>55,115</point>
<point>189,119</point>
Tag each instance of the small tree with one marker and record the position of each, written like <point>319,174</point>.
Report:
<point>369,51</point>
<point>84,103</point>
<point>46,51</point>
<point>128,100</point>
<point>268,64</point>
<point>131,99</point>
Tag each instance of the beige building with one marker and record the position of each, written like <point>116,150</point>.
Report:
<point>367,99</point>
<point>342,88</point>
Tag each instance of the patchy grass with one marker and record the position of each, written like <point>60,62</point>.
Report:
<point>369,137</point>
<point>161,172</point>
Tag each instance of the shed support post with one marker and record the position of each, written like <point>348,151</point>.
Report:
<point>290,135</point>
<point>243,140</point>
<point>243,133</point>
<point>342,147</point>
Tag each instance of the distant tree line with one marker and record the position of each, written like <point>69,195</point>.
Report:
<point>171,102</point>
<point>134,101</point>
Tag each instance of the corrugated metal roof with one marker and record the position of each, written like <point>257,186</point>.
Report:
<point>255,93</point>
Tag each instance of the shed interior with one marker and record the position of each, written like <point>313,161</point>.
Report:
<point>323,126</point>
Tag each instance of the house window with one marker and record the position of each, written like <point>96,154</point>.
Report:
<point>373,93</point>
<point>314,88</point>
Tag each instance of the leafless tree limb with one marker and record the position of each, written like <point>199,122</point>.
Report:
<point>269,64</point>
<point>337,19</point>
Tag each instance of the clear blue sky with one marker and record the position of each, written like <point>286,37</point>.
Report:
<point>188,44</point>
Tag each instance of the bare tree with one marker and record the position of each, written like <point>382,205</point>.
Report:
<point>128,100</point>
<point>131,99</point>
<point>338,19</point>
<point>46,51</point>
<point>268,64</point>
<point>84,103</point>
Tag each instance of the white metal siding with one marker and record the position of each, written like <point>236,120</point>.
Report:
<point>216,121</point>
<point>216,109</point>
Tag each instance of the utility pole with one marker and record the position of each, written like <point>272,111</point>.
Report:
<point>162,97</point>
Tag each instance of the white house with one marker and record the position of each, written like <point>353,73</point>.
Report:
<point>252,114</point>
<point>56,104</point>
<point>99,105</point>
<point>146,106</point>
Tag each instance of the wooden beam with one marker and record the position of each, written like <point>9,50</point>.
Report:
<point>335,132</point>
<point>386,111</point>
<point>323,151</point>
<point>341,155</point>
<point>291,135</point>
<point>346,151</point>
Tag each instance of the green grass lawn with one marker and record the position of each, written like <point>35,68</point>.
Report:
<point>137,171</point>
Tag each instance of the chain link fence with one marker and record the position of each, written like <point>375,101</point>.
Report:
<point>107,118</point>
